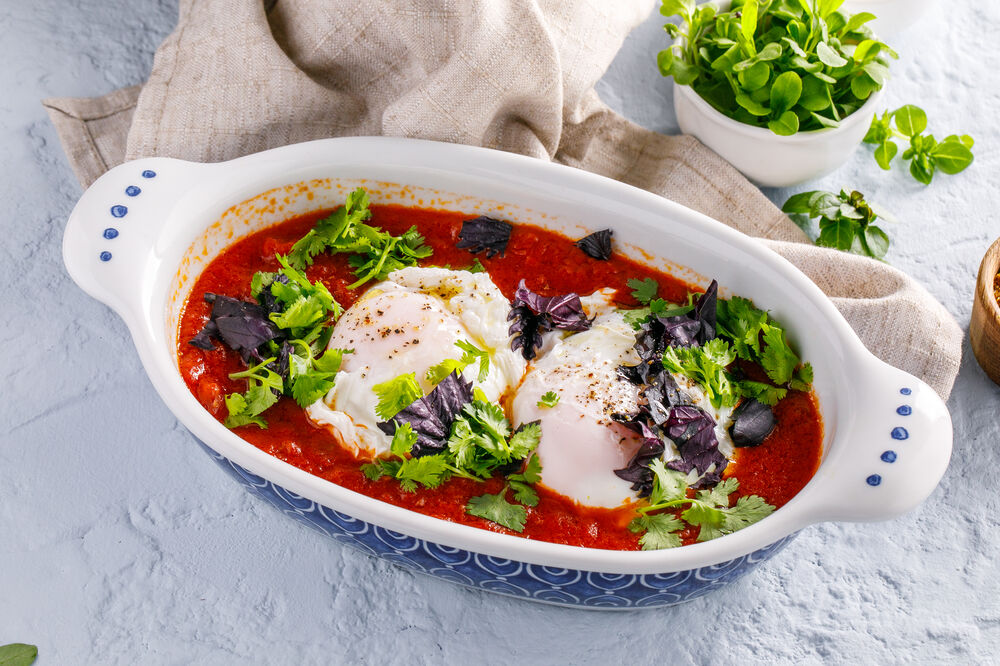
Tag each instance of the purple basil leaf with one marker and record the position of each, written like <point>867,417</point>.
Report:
<point>267,299</point>
<point>432,415</point>
<point>705,309</point>
<point>242,325</point>
<point>246,332</point>
<point>280,364</point>
<point>753,421</point>
<point>526,330</point>
<point>533,315</point>
<point>597,244</point>
<point>680,331</point>
<point>661,395</point>
<point>638,472</point>
<point>484,233</point>
<point>695,327</point>
<point>693,432</point>
<point>449,396</point>
<point>203,339</point>
<point>432,434</point>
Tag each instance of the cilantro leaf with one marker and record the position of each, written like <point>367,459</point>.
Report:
<point>709,518</point>
<point>708,510</point>
<point>524,493</point>
<point>660,531</point>
<point>429,471</point>
<point>374,253</point>
<point>803,378</point>
<point>403,440</point>
<point>757,338</point>
<point>395,394</point>
<point>637,317</point>
<point>778,359</point>
<point>497,509</point>
<point>762,392</point>
<point>549,399</point>
<point>310,387</point>
<point>471,354</point>
<point>521,483</point>
<point>436,373</point>
<point>265,386</point>
<point>707,366</point>
<point>748,510</point>
<point>644,290</point>
<point>532,471</point>
<point>331,229</point>
<point>490,419</point>
<point>525,440</point>
<point>719,494</point>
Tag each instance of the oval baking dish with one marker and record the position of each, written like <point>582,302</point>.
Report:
<point>142,233</point>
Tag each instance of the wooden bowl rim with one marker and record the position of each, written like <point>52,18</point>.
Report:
<point>988,269</point>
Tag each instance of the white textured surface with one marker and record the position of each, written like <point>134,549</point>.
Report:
<point>120,542</point>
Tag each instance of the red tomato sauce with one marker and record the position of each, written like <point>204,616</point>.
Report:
<point>550,264</point>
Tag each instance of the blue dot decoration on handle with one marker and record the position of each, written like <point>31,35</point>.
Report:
<point>110,233</point>
<point>105,256</point>
<point>888,456</point>
<point>904,410</point>
<point>905,391</point>
<point>119,210</point>
<point>874,480</point>
<point>149,173</point>
<point>900,432</point>
<point>132,191</point>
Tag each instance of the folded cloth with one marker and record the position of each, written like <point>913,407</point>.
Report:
<point>240,76</point>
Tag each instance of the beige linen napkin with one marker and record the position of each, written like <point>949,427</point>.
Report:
<point>239,76</point>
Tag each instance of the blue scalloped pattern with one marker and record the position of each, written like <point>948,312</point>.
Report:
<point>567,587</point>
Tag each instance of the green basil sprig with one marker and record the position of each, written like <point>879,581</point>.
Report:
<point>18,654</point>
<point>926,154</point>
<point>845,221</point>
<point>789,65</point>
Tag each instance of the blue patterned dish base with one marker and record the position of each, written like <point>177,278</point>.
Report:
<point>567,587</point>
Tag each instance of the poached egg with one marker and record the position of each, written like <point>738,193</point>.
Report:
<point>409,323</point>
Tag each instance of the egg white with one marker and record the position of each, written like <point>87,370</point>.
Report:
<point>409,323</point>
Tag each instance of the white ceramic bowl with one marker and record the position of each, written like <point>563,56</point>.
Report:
<point>893,16</point>
<point>764,157</point>
<point>142,233</point>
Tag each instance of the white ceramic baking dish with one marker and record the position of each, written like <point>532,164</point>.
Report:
<point>142,233</point>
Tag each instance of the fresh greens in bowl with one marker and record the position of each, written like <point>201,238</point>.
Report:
<point>787,65</point>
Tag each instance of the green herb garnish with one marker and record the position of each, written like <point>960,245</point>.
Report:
<point>480,443</point>
<point>788,66</point>
<point>846,221</point>
<point>497,509</point>
<point>304,314</point>
<point>743,332</point>
<point>18,654</point>
<point>645,292</point>
<point>395,394</point>
<point>925,154</point>
<point>706,364</point>
<point>548,399</point>
<point>709,509</point>
<point>758,338</point>
<point>471,354</point>
<point>374,253</point>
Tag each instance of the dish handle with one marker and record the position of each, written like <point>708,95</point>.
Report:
<point>895,451</point>
<point>109,241</point>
